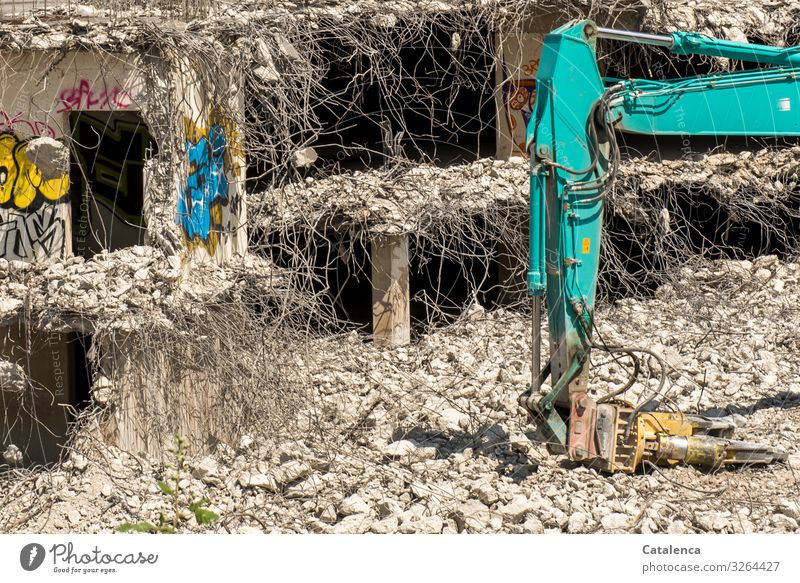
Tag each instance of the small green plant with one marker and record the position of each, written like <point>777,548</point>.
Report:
<point>171,487</point>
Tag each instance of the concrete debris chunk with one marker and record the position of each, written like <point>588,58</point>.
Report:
<point>354,524</point>
<point>385,526</point>
<point>453,419</point>
<point>286,47</point>
<point>310,487</point>
<point>13,455</point>
<point>405,449</point>
<point>267,75</point>
<point>423,525</point>
<point>517,508</point>
<point>790,508</point>
<point>615,521</point>
<point>305,157</point>
<point>264,481</point>
<point>207,470</point>
<point>50,156</point>
<point>475,514</point>
<point>354,504</point>
<point>12,377</point>
<point>85,10</point>
<point>78,461</point>
<point>291,471</point>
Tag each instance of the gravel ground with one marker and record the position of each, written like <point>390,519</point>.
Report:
<point>428,438</point>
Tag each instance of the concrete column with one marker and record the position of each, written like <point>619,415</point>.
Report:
<point>391,317</point>
<point>156,397</point>
<point>517,63</point>
<point>211,209</point>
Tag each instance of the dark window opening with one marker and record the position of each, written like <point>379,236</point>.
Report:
<point>442,283</point>
<point>637,258</point>
<point>109,150</point>
<point>438,105</point>
<point>430,101</point>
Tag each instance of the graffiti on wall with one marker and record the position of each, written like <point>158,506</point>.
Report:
<point>31,223</point>
<point>85,97</point>
<point>22,183</point>
<point>17,123</point>
<point>31,235</point>
<point>213,154</point>
<point>519,99</point>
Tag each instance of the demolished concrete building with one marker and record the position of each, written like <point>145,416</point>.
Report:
<point>173,187</point>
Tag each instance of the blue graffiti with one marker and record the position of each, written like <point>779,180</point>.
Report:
<point>206,186</point>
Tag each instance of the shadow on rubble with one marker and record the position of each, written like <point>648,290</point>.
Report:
<point>489,441</point>
<point>782,400</point>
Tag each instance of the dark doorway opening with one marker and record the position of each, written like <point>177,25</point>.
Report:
<point>83,367</point>
<point>46,382</point>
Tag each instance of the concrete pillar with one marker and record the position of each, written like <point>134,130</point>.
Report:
<point>517,63</point>
<point>157,396</point>
<point>211,206</point>
<point>391,317</point>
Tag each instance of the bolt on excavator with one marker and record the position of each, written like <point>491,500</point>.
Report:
<point>574,158</point>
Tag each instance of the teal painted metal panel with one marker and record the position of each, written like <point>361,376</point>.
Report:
<point>694,43</point>
<point>747,103</point>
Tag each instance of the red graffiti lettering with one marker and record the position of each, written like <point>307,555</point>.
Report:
<point>84,97</point>
<point>17,124</point>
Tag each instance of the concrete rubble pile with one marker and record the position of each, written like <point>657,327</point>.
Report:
<point>396,199</point>
<point>753,193</point>
<point>413,198</point>
<point>766,173</point>
<point>761,21</point>
<point>428,438</point>
<point>123,290</point>
<point>118,30</point>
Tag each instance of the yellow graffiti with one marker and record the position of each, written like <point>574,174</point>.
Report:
<point>21,182</point>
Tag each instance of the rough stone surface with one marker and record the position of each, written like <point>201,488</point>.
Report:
<point>354,505</point>
<point>49,155</point>
<point>615,521</point>
<point>517,508</point>
<point>482,479</point>
<point>207,470</point>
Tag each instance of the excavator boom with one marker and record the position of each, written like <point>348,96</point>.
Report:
<point>574,158</point>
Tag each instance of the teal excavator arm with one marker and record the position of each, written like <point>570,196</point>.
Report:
<point>574,157</point>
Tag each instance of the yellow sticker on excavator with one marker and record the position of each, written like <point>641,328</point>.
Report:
<point>587,245</point>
